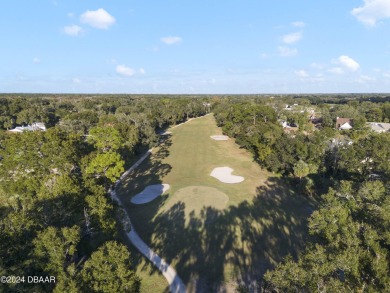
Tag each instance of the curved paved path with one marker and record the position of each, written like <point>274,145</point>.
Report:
<point>176,285</point>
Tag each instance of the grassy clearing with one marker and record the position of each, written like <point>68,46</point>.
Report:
<point>263,220</point>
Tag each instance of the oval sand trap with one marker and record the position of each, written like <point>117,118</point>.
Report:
<point>224,174</point>
<point>150,193</point>
<point>219,137</point>
<point>195,198</point>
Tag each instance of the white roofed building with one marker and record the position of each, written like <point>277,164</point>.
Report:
<point>33,127</point>
<point>379,126</point>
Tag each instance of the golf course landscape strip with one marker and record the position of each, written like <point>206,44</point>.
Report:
<point>213,232</point>
<point>176,285</point>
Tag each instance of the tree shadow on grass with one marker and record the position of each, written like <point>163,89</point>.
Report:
<point>148,174</point>
<point>138,260</point>
<point>163,148</point>
<point>239,243</point>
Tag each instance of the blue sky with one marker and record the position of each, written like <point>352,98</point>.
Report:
<point>209,47</point>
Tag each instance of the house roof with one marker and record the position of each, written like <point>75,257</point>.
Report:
<point>342,121</point>
<point>33,127</point>
<point>379,126</point>
<point>345,126</point>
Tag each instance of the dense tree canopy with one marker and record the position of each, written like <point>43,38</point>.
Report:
<point>349,233</point>
<point>56,215</point>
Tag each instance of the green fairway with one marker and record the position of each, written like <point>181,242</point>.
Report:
<point>214,233</point>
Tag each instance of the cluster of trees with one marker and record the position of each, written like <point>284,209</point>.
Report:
<point>55,212</point>
<point>255,126</point>
<point>56,215</point>
<point>23,111</point>
<point>349,250</point>
<point>349,244</point>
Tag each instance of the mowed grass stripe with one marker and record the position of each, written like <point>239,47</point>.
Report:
<point>193,155</point>
<point>192,152</point>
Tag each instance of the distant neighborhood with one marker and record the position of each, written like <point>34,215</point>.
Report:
<point>314,117</point>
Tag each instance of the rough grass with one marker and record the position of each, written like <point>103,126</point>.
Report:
<point>263,221</point>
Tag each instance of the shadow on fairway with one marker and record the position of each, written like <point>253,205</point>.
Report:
<point>148,173</point>
<point>164,143</point>
<point>251,237</point>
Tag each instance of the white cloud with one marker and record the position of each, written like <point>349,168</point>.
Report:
<point>366,78</point>
<point>287,52</point>
<point>349,63</point>
<point>336,70</point>
<point>124,70</point>
<point>298,24</point>
<point>36,60</point>
<point>171,40</point>
<point>301,73</point>
<point>292,38</point>
<point>142,71</point>
<point>372,11</point>
<point>76,80</point>
<point>317,65</point>
<point>386,75</point>
<point>73,30</point>
<point>100,18</point>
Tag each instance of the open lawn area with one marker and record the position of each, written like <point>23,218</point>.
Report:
<point>213,233</point>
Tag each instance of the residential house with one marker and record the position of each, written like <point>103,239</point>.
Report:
<point>33,127</point>
<point>288,128</point>
<point>344,123</point>
<point>379,126</point>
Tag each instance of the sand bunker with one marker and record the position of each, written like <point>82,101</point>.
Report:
<point>224,174</point>
<point>219,137</point>
<point>195,200</point>
<point>150,193</point>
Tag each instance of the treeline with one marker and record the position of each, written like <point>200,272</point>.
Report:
<point>349,247</point>
<point>57,218</point>
<point>255,126</point>
<point>361,112</point>
<point>344,98</point>
<point>349,251</point>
